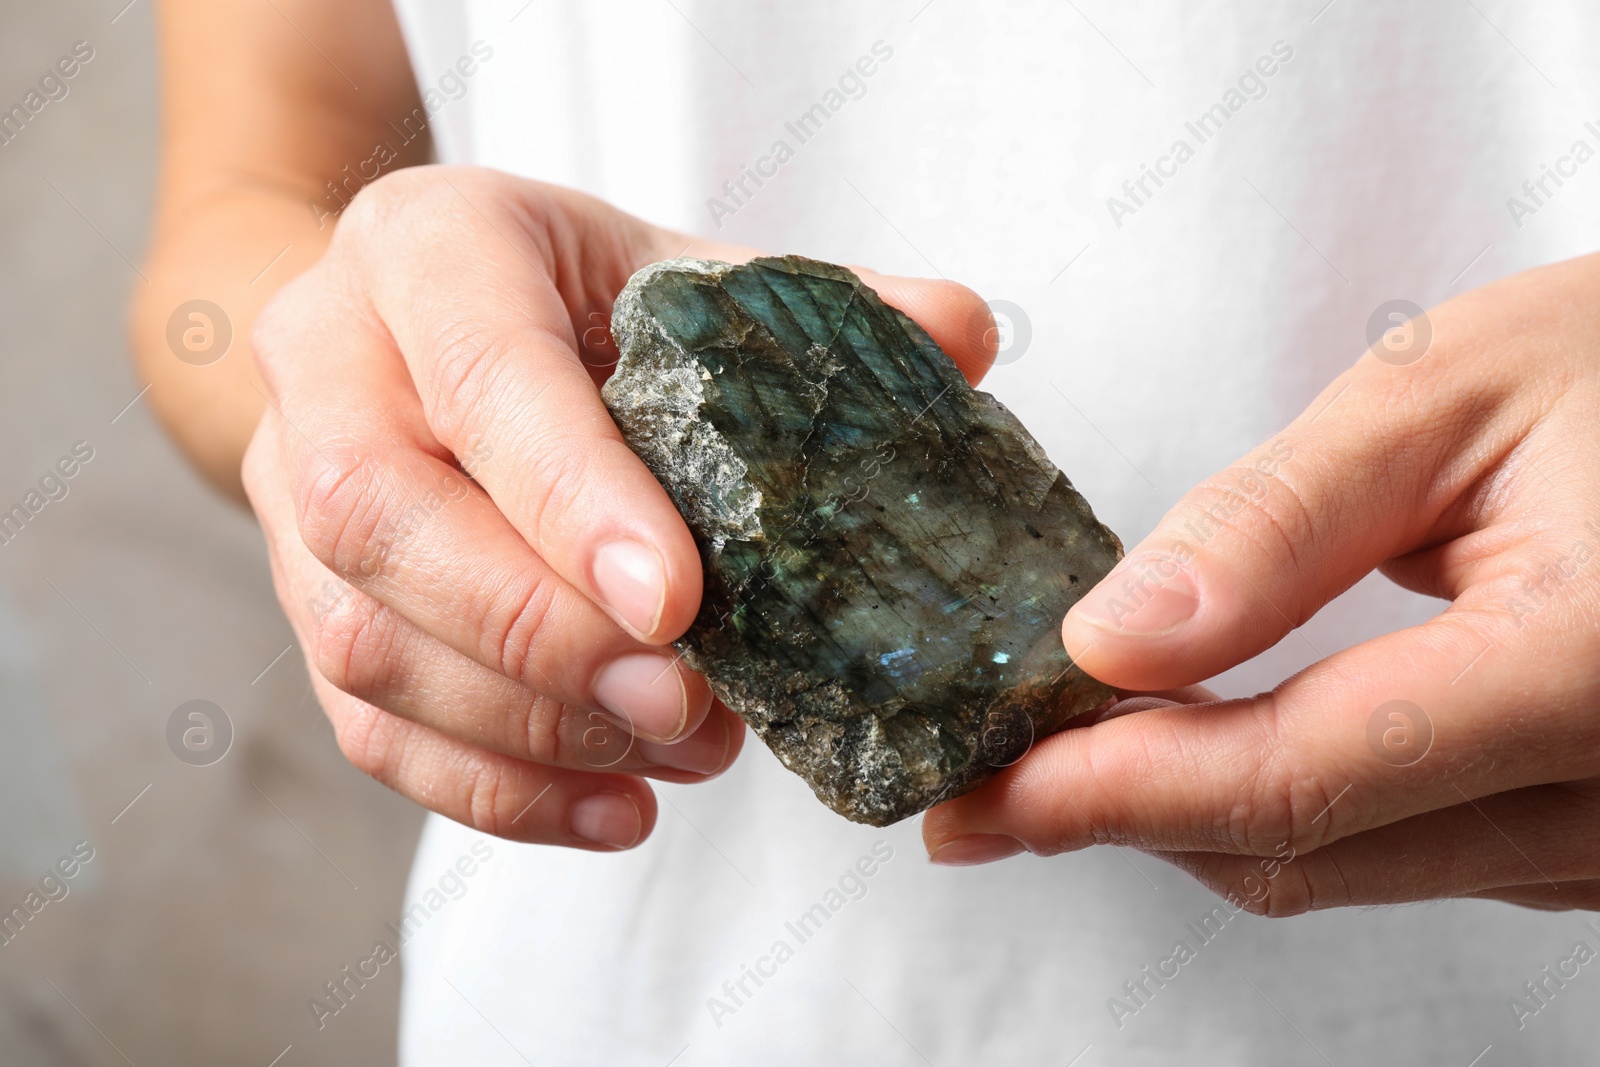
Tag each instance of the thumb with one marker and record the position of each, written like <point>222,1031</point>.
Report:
<point>1254,551</point>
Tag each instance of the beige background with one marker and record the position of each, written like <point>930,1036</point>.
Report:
<point>226,895</point>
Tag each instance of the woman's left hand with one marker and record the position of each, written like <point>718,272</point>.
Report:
<point>1460,758</point>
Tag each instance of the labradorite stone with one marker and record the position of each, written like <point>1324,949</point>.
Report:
<point>887,552</point>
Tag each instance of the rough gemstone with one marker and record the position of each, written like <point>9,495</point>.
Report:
<point>887,552</point>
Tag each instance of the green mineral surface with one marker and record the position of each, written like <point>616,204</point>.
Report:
<point>887,552</point>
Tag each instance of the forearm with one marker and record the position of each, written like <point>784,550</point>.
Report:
<point>234,249</point>
<point>257,121</point>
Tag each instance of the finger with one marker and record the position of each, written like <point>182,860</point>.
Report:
<point>1256,550</point>
<point>418,537</point>
<point>365,650</point>
<point>965,846</point>
<point>487,333</point>
<point>1367,737</point>
<point>368,651</point>
<point>1133,703</point>
<point>1529,845</point>
<point>1562,896</point>
<point>491,793</point>
<point>488,791</point>
<point>376,503</point>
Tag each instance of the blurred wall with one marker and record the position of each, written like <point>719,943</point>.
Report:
<point>219,897</point>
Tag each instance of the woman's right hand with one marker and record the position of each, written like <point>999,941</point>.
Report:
<point>482,575</point>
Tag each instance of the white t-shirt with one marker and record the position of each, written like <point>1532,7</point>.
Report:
<point>1191,215</point>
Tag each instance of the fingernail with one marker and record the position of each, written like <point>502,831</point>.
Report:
<point>610,819</point>
<point>645,693</point>
<point>632,581</point>
<point>1146,595</point>
<point>701,752</point>
<point>973,849</point>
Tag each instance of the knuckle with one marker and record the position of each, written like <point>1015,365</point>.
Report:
<point>412,200</point>
<point>516,640</point>
<point>353,649</point>
<point>491,793</point>
<point>1255,905</point>
<point>1103,817</point>
<point>390,199</point>
<point>532,727</point>
<point>1267,513</point>
<point>478,376</point>
<point>1273,887</point>
<point>469,364</point>
<point>1297,885</point>
<point>1288,894</point>
<point>342,513</point>
<point>1280,807</point>
<point>371,743</point>
<point>485,794</point>
<point>541,722</point>
<point>559,478</point>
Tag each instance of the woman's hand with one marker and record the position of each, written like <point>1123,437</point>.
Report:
<point>481,573</point>
<point>1456,758</point>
